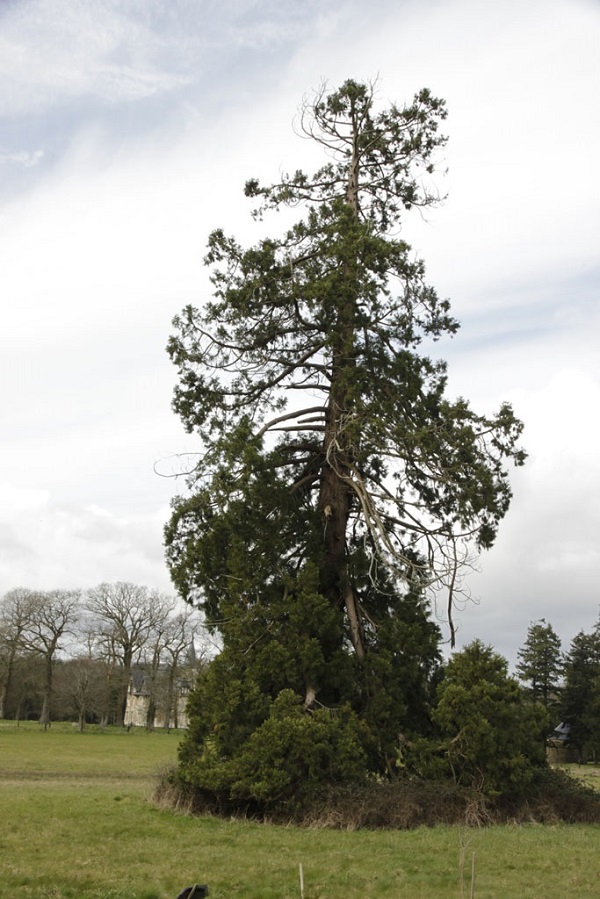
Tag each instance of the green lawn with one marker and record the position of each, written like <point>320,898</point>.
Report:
<point>78,822</point>
<point>29,751</point>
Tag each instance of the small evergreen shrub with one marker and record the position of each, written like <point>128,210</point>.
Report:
<point>488,738</point>
<point>284,764</point>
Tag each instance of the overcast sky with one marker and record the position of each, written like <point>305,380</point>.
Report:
<point>127,131</point>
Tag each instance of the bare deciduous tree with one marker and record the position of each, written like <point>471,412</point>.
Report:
<point>126,615</point>
<point>52,615</point>
<point>180,642</point>
<point>158,639</point>
<point>80,683</point>
<point>15,614</point>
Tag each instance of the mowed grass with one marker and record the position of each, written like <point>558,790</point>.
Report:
<point>30,752</point>
<point>78,822</point>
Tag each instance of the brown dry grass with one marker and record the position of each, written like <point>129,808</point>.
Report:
<point>555,798</point>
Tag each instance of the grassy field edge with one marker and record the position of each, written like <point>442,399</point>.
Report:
<point>80,823</point>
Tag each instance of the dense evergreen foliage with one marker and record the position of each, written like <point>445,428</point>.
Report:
<point>541,664</point>
<point>337,483</point>
<point>492,740</point>
<point>580,699</point>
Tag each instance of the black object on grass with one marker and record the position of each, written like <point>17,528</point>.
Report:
<point>198,891</point>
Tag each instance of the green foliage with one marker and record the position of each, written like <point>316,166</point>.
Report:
<point>541,664</point>
<point>273,650</point>
<point>492,740</point>
<point>580,699</point>
<point>293,640</point>
<point>292,755</point>
<point>397,693</point>
<point>337,482</point>
<point>282,761</point>
<point>311,343</point>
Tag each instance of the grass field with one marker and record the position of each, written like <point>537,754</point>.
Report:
<point>78,822</point>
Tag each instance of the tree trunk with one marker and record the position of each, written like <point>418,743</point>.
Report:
<point>45,714</point>
<point>335,495</point>
<point>4,692</point>
<point>150,712</point>
<point>169,698</point>
<point>124,687</point>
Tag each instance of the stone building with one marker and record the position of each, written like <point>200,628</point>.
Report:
<point>139,698</point>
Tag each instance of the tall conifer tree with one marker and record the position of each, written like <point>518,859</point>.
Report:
<point>541,663</point>
<point>580,698</point>
<point>337,482</point>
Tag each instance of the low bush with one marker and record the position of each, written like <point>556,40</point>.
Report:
<point>290,759</point>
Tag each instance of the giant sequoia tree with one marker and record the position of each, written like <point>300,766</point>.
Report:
<point>337,483</point>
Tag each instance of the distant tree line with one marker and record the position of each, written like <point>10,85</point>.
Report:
<point>70,654</point>
<point>566,684</point>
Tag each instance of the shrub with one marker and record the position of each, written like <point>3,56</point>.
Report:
<point>490,739</point>
<point>284,763</point>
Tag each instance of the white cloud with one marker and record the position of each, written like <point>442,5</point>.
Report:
<point>28,159</point>
<point>50,545</point>
<point>53,52</point>
<point>545,561</point>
